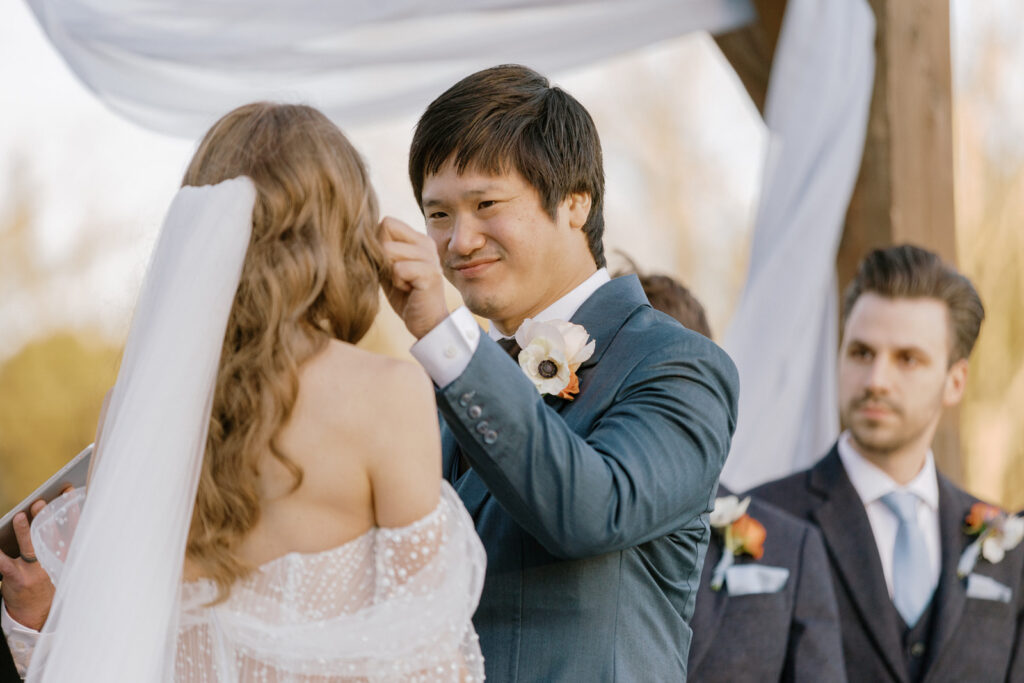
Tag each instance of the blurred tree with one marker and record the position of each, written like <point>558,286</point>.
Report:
<point>990,242</point>
<point>50,397</point>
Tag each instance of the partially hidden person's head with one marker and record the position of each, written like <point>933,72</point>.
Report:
<point>670,296</point>
<point>311,273</point>
<point>508,172</point>
<point>909,324</point>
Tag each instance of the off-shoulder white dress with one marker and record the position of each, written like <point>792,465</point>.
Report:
<point>391,605</point>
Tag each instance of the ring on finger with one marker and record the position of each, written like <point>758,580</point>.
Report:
<point>29,558</point>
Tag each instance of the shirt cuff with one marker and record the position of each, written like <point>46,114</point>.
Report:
<point>20,639</point>
<point>446,350</point>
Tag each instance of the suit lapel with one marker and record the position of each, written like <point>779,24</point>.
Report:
<point>951,593</point>
<point>606,311</point>
<point>850,541</point>
<point>602,316</point>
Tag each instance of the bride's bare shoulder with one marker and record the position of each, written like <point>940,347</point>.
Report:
<point>349,387</point>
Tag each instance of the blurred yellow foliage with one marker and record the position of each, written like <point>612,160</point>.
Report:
<point>50,397</point>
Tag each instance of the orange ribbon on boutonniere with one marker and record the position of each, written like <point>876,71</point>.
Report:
<point>551,353</point>
<point>741,535</point>
<point>996,533</point>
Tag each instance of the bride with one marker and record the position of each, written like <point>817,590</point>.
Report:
<point>266,501</point>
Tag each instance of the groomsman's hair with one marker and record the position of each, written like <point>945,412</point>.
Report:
<point>509,118</point>
<point>907,271</point>
<point>670,296</point>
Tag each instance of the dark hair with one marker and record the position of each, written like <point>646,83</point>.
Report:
<point>670,296</point>
<point>907,271</point>
<point>510,118</point>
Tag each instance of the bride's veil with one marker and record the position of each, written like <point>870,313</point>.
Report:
<point>115,610</point>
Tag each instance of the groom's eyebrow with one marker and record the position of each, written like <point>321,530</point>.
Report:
<point>430,202</point>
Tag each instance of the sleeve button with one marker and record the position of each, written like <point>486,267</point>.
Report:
<point>490,437</point>
<point>474,412</point>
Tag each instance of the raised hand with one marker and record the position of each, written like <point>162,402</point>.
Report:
<point>415,284</point>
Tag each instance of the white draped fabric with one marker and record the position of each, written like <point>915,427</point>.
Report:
<point>784,333</point>
<point>176,65</point>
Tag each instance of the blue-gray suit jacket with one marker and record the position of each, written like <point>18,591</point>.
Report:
<point>972,639</point>
<point>593,511</point>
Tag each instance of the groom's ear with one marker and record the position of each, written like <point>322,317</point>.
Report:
<point>578,206</point>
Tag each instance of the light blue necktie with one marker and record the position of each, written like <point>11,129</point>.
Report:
<point>910,585</point>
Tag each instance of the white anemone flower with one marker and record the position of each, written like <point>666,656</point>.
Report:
<point>551,352</point>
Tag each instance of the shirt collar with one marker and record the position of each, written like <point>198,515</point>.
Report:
<point>871,483</point>
<point>566,307</point>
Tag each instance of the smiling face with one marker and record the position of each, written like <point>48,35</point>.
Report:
<point>894,374</point>
<point>498,246</point>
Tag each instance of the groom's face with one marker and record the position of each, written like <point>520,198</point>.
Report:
<point>507,257</point>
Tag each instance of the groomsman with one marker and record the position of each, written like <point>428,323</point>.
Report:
<point>589,470</point>
<point>774,618</point>
<point>896,529</point>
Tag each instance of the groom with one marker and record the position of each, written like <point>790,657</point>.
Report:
<point>591,500</point>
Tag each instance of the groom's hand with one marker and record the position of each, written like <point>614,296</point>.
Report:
<point>415,284</point>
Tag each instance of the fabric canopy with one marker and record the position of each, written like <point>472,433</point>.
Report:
<point>176,65</point>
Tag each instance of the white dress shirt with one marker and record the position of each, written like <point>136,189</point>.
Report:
<point>20,639</point>
<point>871,484</point>
<point>446,350</point>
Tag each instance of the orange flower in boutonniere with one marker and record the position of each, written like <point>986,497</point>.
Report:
<point>996,533</point>
<point>551,353</point>
<point>741,535</point>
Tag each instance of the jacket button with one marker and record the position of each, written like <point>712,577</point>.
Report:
<point>474,412</point>
<point>917,650</point>
<point>466,398</point>
<point>481,426</point>
<point>490,437</point>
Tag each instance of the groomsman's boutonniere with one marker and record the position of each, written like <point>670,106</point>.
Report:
<point>551,353</point>
<point>741,534</point>
<point>996,533</point>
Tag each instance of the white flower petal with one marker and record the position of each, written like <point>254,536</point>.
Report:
<point>727,510</point>
<point>1013,532</point>
<point>992,550</point>
<point>539,350</point>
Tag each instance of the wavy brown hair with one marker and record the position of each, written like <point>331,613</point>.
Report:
<point>311,273</point>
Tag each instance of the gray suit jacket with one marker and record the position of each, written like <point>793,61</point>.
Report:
<point>593,511</point>
<point>791,635</point>
<point>972,639</point>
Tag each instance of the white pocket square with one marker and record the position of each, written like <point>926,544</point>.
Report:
<point>749,579</point>
<point>986,588</point>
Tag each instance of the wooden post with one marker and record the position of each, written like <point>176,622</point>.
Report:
<point>904,192</point>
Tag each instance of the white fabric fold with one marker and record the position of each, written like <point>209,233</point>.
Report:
<point>176,65</point>
<point>783,336</point>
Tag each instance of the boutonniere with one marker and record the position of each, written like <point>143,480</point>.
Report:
<point>741,534</point>
<point>551,353</point>
<point>996,533</point>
